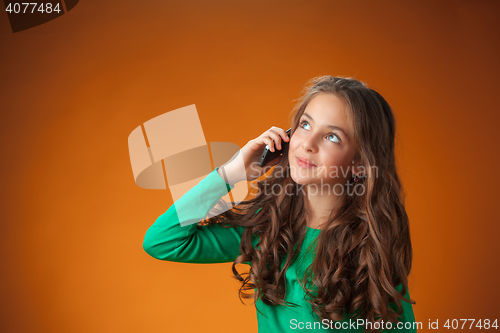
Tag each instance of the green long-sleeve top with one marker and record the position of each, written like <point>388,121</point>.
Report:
<point>168,240</point>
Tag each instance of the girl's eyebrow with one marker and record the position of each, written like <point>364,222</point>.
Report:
<point>330,126</point>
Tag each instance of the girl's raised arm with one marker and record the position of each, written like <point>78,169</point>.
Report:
<point>167,240</point>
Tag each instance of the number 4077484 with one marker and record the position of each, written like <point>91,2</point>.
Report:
<point>32,8</point>
<point>469,324</point>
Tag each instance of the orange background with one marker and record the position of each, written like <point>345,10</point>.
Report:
<point>72,90</point>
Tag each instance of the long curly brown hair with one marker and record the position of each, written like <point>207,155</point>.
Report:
<point>364,251</point>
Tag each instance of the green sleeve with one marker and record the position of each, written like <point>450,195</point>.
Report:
<point>172,239</point>
<point>407,318</point>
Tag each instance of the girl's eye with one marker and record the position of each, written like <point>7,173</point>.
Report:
<point>303,122</point>
<point>334,135</point>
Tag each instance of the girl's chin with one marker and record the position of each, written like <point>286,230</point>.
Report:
<point>302,180</point>
<point>311,180</point>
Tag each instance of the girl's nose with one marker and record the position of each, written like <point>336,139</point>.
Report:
<point>309,145</point>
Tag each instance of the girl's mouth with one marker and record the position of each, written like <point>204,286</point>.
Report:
<point>304,163</point>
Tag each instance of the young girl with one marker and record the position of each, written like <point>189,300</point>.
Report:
<point>326,236</point>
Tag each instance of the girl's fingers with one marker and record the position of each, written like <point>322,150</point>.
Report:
<point>276,137</point>
<point>283,134</point>
<point>272,138</point>
<point>265,140</point>
<point>269,143</point>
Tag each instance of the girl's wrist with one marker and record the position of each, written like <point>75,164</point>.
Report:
<point>222,174</point>
<point>228,175</point>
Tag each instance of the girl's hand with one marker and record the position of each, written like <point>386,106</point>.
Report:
<point>244,165</point>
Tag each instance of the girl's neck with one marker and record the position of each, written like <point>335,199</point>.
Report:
<point>319,207</point>
<point>314,223</point>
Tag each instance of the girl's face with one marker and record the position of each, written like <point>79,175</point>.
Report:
<point>324,138</point>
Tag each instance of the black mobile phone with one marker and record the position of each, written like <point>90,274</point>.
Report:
<point>268,156</point>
